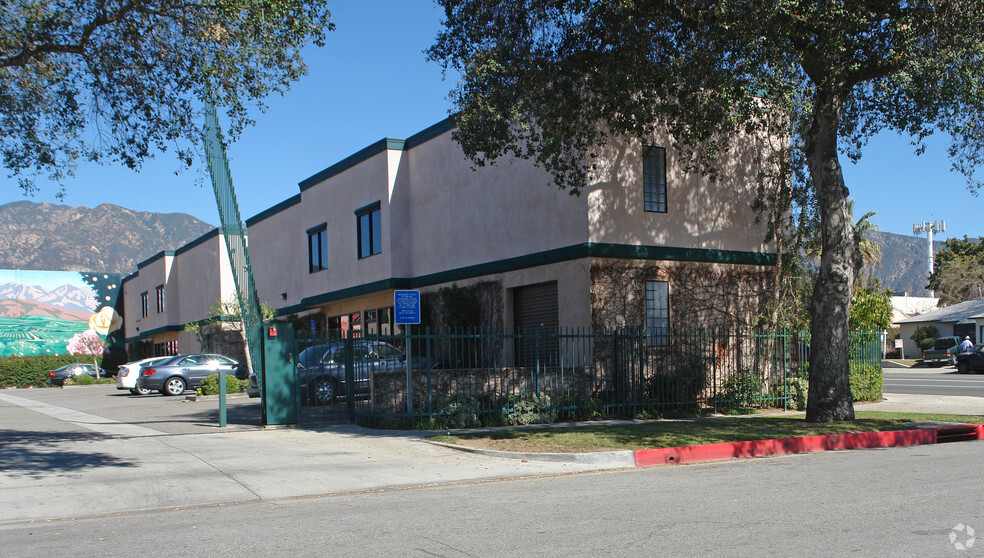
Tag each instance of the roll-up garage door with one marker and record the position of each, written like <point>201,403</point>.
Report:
<point>535,320</point>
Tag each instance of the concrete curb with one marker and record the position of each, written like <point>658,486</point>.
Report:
<point>623,458</point>
<point>754,448</point>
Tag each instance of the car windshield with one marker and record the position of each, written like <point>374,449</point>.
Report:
<point>943,344</point>
<point>385,351</point>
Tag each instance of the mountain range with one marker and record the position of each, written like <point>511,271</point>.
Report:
<point>107,238</point>
<point>11,308</point>
<point>904,264</point>
<point>65,296</point>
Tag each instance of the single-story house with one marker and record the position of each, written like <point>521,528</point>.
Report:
<point>960,320</point>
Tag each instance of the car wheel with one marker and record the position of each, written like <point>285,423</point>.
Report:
<point>323,391</point>
<point>140,391</point>
<point>173,386</point>
<point>963,368</point>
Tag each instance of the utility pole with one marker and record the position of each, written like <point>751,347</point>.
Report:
<point>929,228</point>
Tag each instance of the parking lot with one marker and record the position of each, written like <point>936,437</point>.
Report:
<point>168,415</point>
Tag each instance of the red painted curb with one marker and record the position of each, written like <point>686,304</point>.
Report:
<point>760,448</point>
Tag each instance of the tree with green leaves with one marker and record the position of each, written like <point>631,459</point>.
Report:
<point>224,315</point>
<point>121,80</point>
<point>871,309</point>
<point>958,271</point>
<point>552,80</point>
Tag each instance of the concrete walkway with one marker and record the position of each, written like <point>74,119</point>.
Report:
<point>75,464</point>
<point>85,465</point>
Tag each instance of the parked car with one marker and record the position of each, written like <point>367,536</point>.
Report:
<point>178,373</point>
<point>944,350</point>
<point>126,378</point>
<point>321,368</point>
<point>59,376</point>
<point>972,361</point>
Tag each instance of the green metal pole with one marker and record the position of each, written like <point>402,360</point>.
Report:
<point>222,399</point>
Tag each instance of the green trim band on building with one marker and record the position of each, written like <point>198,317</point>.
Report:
<point>154,258</point>
<point>155,331</point>
<point>179,328</point>
<point>198,241</point>
<point>558,255</point>
<point>270,212</point>
<point>360,156</point>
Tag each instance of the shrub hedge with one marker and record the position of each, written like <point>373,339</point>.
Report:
<point>32,371</point>
<point>210,385</point>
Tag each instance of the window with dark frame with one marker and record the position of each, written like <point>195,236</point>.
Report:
<point>318,248</point>
<point>160,299</point>
<point>144,310</point>
<point>657,313</point>
<point>369,223</point>
<point>654,178</point>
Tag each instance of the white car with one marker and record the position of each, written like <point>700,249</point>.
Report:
<point>129,372</point>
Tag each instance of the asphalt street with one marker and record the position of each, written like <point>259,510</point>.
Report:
<point>90,471</point>
<point>930,381</point>
<point>891,502</point>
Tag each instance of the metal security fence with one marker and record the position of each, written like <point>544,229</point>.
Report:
<point>475,378</point>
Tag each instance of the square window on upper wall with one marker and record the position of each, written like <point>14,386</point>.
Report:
<point>317,248</point>
<point>654,178</point>
<point>370,230</point>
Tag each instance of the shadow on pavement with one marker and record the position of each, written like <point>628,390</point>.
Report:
<point>36,454</point>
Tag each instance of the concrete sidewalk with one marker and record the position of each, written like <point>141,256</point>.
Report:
<point>910,403</point>
<point>88,465</point>
<point>92,465</point>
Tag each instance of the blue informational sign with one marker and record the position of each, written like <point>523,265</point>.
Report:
<point>406,306</point>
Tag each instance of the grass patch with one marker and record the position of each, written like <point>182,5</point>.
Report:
<point>678,433</point>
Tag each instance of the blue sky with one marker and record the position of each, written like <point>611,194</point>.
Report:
<point>371,81</point>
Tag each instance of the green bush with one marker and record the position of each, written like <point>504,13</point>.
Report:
<point>32,371</point>
<point>679,390</point>
<point>742,390</point>
<point>797,389</point>
<point>458,411</point>
<point>83,380</point>
<point>924,332</point>
<point>582,407</point>
<point>927,343</point>
<point>866,381</point>
<point>210,385</point>
<point>529,408</point>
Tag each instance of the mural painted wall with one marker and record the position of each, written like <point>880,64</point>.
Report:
<point>40,311</point>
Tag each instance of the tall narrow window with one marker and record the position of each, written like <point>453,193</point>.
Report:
<point>657,313</point>
<point>144,311</point>
<point>318,248</point>
<point>160,299</point>
<point>654,178</point>
<point>369,223</point>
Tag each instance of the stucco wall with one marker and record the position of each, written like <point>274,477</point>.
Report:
<point>203,277</point>
<point>147,280</point>
<point>700,213</point>
<point>460,216</point>
<point>278,256</point>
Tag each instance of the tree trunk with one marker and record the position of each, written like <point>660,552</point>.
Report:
<point>830,386</point>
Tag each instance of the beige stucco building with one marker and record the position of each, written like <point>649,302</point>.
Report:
<point>173,288</point>
<point>646,245</point>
